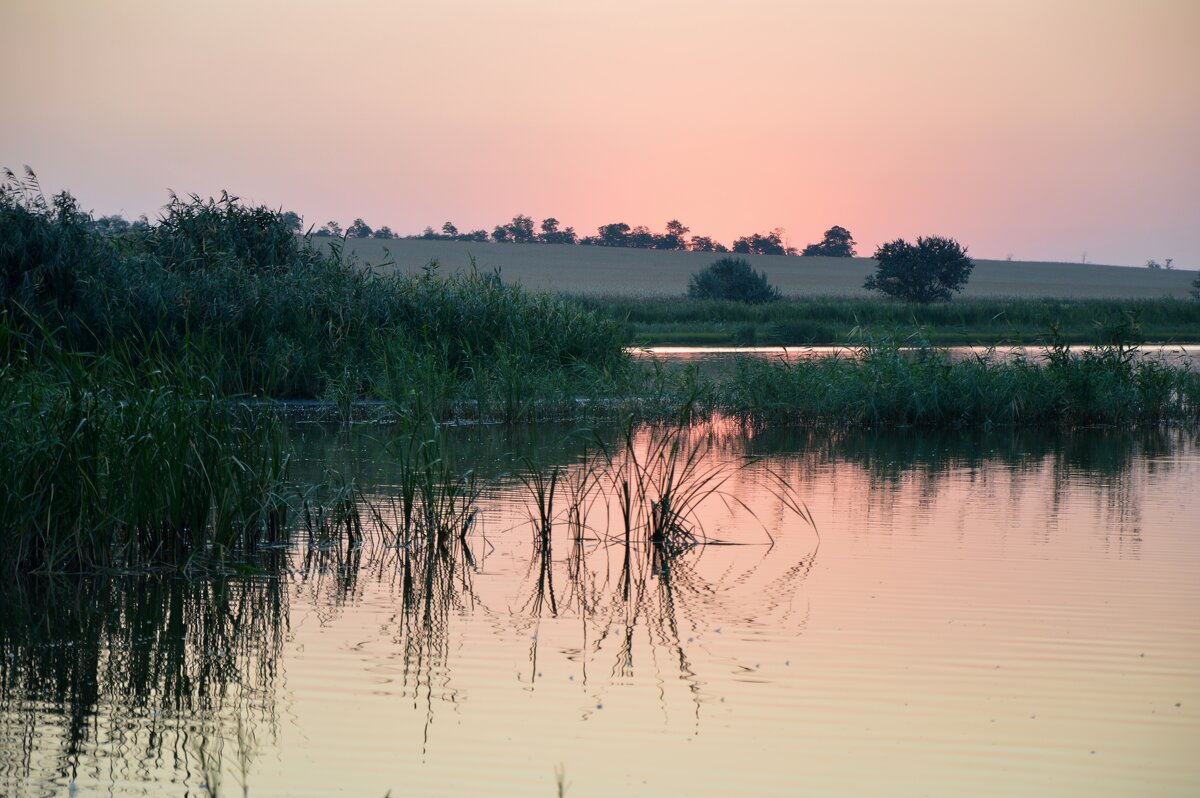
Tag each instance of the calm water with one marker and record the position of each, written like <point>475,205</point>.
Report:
<point>1187,355</point>
<point>1005,614</point>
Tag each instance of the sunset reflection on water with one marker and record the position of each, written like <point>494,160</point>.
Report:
<point>993,614</point>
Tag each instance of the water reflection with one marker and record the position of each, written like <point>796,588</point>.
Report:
<point>158,685</point>
<point>115,679</point>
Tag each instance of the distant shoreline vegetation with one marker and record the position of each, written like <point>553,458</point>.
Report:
<point>792,321</point>
<point>837,241</point>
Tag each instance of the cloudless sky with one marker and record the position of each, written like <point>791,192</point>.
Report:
<point>1037,128</point>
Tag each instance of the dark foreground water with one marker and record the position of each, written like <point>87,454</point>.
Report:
<point>1003,614</point>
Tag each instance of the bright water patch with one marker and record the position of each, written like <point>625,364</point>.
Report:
<point>1003,614</point>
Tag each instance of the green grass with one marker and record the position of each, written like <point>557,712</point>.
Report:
<point>961,321</point>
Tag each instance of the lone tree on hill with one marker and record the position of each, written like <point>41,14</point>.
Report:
<point>837,243</point>
<point>732,278</point>
<point>928,271</point>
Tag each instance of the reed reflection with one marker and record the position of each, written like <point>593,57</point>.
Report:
<point>632,516</point>
<point>616,552</point>
<point>147,670</point>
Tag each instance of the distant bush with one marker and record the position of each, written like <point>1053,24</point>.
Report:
<point>732,278</point>
<point>928,271</point>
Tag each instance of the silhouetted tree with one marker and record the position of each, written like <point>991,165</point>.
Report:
<point>331,228</point>
<point>359,229</point>
<point>640,237</point>
<point>552,235</point>
<point>112,225</point>
<point>449,230</point>
<point>613,235</point>
<point>521,229</point>
<point>291,221</point>
<point>932,269</point>
<point>837,243</point>
<point>732,278</point>
<point>385,232</point>
<point>474,235</point>
<point>674,238</point>
<point>761,244</point>
<point>501,235</point>
<point>702,244</point>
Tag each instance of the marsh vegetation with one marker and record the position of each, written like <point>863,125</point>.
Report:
<point>136,362</point>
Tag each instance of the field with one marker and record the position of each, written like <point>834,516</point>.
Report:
<point>638,272</point>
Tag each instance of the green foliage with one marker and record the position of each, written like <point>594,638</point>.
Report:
<point>732,279</point>
<point>270,313</point>
<point>931,270</point>
<point>42,242</point>
<point>107,465</point>
<point>1196,289</point>
<point>831,320</point>
<point>196,234</point>
<point>887,385</point>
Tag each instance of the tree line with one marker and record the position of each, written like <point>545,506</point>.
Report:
<point>837,241</point>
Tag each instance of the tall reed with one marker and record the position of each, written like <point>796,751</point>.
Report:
<point>108,465</point>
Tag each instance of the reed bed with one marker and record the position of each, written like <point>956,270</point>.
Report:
<point>884,384</point>
<point>270,314</point>
<point>110,467</point>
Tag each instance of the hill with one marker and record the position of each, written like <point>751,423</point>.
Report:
<point>638,272</point>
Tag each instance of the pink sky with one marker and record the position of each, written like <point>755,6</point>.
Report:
<point>1036,128</point>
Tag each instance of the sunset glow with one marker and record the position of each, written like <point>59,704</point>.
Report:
<point>1038,129</point>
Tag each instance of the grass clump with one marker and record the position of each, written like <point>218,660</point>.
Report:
<point>732,279</point>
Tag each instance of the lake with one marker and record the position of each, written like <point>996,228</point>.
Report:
<point>905,613</point>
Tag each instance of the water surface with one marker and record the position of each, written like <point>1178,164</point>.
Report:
<point>997,614</point>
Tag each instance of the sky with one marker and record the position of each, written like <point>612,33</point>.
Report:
<point>1037,129</point>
